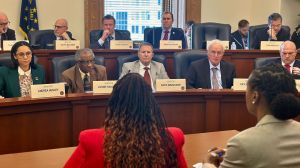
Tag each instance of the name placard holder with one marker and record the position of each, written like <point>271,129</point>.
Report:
<point>7,44</point>
<point>67,44</point>
<point>224,43</point>
<point>48,90</point>
<point>298,84</point>
<point>121,44</point>
<point>103,86</point>
<point>270,45</point>
<point>239,84</point>
<point>166,85</point>
<point>170,44</point>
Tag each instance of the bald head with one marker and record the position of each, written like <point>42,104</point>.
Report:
<point>288,52</point>
<point>3,22</point>
<point>60,26</point>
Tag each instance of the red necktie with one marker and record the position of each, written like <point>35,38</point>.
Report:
<point>147,76</point>
<point>166,37</point>
<point>288,67</point>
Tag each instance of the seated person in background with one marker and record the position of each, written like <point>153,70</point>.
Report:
<point>274,31</point>
<point>272,98</point>
<point>240,37</point>
<point>166,32</point>
<point>16,81</point>
<point>188,33</point>
<point>80,77</point>
<point>5,32</point>
<point>211,72</point>
<point>60,33</point>
<point>145,66</point>
<point>102,39</point>
<point>134,134</point>
<point>296,37</point>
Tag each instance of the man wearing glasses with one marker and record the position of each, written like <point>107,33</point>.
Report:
<point>60,32</point>
<point>80,77</point>
<point>5,32</point>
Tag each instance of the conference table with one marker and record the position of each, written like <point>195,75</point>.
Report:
<point>242,59</point>
<point>195,150</point>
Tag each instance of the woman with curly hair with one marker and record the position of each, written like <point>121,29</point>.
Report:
<point>134,133</point>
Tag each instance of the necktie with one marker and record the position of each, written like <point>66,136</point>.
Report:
<point>215,84</point>
<point>86,83</point>
<point>147,76</point>
<point>288,67</point>
<point>166,36</point>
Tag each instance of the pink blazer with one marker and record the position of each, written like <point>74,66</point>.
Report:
<point>89,152</point>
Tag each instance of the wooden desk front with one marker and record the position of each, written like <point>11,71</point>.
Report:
<point>195,149</point>
<point>242,59</point>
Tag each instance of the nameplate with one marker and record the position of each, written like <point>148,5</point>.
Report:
<point>270,45</point>
<point>163,85</point>
<point>298,84</point>
<point>239,83</point>
<point>103,86</point>
<point>48,90</point>
<point>67,44</point>
<point>170,44</point>
<point>121,44</point>
<point>7,44</point>
<point>224,43</point>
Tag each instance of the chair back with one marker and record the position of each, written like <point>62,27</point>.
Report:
<point>5,60</point>
<point>35,36</point>
<point>94,34</point>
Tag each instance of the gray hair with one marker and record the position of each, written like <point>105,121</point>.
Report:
<point>81,51</point>
<point>214,42</point>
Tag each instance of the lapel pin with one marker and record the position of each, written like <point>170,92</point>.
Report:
<point>36,78</point>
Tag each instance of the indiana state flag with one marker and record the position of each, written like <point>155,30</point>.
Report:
<point>28,17</point>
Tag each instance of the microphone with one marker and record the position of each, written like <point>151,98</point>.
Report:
<point>236,40</point>
<point>270,28</point>
<point>153,36</point>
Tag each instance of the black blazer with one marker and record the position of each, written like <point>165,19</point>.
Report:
<point>296,39</point>
<point>262,35</point>
<point>296,64</point>
<point>176,34</point>
<point>237,38</point>
<point>49,38</point>
<point>9,35</point>
<point>94,39</point>
<point>198,75</point>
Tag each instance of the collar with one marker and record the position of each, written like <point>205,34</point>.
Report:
<point>212,66</point>
<point>291,64</point>
<point>82,74</point>
<point>268,119</point>
<point>21,72</point>
<point>170,29</point>
<point>142,66</point>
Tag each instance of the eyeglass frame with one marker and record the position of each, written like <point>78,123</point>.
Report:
<point>5,24</point>
<point>23,54</point>
<point>87,62</point>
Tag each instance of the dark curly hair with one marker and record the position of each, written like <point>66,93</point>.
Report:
<point>13,53</point>
<point>277,85</point>
<point>135,128</point>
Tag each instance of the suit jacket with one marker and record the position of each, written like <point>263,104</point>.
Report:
<point>271,143</point>
<point>296,64</point>
<point>94,39</point>
<point>9,35</point>
<point>157,70</point>
<point>198,75</point>
<point>74,81</point>
<point>296,39</point>
<point>176,34</point>
<point>262,35</point>
<point>9,80</point>
<point>89,153</point>
<point>49,38</point>
<point>237,38</point>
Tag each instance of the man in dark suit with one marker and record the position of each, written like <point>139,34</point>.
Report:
<point>166,32</point>
<point>273,32</point>
<point>211,72</point>
<point>240,37</point>
<point>102,38</point>
<point>5,32</point>
<point>60,33</point>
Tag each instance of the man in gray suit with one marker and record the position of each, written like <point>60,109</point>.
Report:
<point>80,77</point>
<point>145,66</point>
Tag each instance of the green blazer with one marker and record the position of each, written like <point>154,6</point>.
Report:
<point>9,80</point>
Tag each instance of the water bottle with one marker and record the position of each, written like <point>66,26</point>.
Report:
<point>233,46</point>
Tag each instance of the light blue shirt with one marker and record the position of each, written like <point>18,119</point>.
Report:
<point>218,75</point>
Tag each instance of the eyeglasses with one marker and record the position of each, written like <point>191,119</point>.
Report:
<point>216,53</point>
<point>58,27</point>
<point>22,55</point>
<point>87,62</point>
<point>5,24</point>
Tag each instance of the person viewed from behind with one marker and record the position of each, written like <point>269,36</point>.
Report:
<point>134,133</point>
<point>240,37</point>
<point>15,81</point>
<point>272,98</point>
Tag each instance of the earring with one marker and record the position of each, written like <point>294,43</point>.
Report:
<point>253,102</point>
